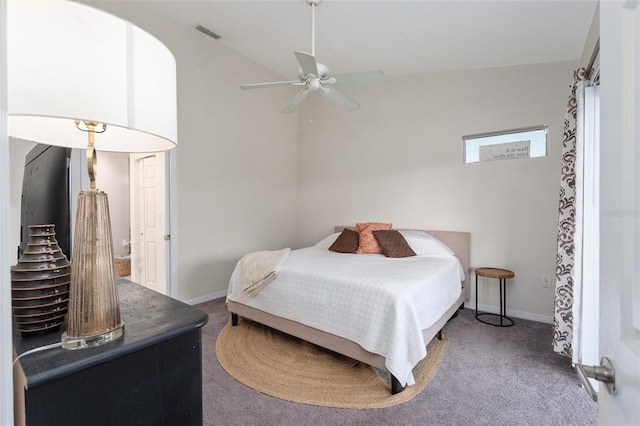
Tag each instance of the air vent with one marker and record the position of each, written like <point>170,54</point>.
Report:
<point>208,32</point>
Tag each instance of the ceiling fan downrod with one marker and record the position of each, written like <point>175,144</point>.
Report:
<point>313,4</point>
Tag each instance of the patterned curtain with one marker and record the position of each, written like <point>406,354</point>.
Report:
<point>567,316</point>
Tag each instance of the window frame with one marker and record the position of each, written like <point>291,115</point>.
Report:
<point>540,127</point>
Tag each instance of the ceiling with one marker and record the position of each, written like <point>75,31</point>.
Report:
<point>398,37</point>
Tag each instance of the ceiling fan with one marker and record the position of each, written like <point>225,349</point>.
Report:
<point>315,77</point>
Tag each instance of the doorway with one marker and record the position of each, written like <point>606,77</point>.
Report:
<point>149,220</point>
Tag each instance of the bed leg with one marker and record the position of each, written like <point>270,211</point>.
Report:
<point>439,335</point>
<point>396,387</point>
<point>234,319</point>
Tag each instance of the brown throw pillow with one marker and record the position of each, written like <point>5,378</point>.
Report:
<point>347,242</point>
<point>393,244</point>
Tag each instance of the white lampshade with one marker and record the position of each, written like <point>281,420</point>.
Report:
<point>68,61</point>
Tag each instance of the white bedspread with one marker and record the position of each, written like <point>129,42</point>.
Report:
<point>380,303</point>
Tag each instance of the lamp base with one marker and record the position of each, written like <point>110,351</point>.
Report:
<point>94,310</point>
<point>73,343</point>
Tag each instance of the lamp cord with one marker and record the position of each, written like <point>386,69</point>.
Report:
<point>34,350</point>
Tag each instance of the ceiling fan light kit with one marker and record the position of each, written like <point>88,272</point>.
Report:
<point>316,77</point>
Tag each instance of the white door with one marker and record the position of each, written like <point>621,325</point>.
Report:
<point>148,222</point>
<point>620,209</point>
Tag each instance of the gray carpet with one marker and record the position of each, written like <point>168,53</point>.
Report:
<point>489,376</point>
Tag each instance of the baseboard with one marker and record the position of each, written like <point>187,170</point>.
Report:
<point>511,313</point>
<point>206,297</point>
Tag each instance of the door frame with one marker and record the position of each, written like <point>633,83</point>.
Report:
<point>6,334</point>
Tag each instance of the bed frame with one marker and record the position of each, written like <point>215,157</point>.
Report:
<point>459,242</point>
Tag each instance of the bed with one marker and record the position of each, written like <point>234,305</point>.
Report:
<point>298,304</point>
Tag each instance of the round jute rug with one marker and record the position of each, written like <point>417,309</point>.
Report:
<point>289,368</point>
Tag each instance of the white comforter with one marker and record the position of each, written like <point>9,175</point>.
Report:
<point>380,303</point>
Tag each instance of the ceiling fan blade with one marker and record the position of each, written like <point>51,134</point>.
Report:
<point>359,77</point>
<point>307,63</point>
<point>340,99</point>
<point>272,84</point>
<point>297,100</point>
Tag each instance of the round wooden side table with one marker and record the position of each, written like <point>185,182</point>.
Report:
<point>501,275</point>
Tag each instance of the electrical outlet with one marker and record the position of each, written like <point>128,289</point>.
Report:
<point>546,281</point>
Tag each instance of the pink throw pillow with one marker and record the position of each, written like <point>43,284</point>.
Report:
<point>368,243</point>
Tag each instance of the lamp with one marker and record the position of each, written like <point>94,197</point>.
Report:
<point>82,78</point>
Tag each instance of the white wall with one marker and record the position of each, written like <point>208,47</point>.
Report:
<point>236,156</point>
<point>593,38</point>
<point>399,159</point>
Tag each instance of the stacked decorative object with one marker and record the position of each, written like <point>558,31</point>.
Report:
<point>40,283</point>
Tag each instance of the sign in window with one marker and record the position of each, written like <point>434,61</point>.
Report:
<point>506,145</point>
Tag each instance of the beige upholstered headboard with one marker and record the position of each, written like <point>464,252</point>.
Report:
<point>459,242</point>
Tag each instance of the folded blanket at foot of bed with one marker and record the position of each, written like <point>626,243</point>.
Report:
<point>260,268</point>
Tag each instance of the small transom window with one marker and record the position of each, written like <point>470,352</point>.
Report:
<point>506,145</point>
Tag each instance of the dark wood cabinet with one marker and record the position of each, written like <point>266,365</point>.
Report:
<point>151,376</point>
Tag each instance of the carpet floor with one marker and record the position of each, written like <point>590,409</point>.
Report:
<point>489,376</point>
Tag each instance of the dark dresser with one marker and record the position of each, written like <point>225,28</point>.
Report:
<point>150,376</point>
